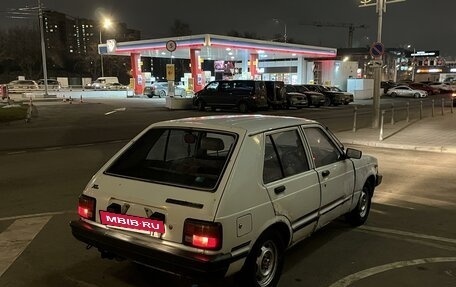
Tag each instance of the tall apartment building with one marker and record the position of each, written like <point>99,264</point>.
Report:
<point>79,35</point>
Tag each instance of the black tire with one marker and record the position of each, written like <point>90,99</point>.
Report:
<point>201,105</point>
<point>264,263</point>
<point>327,101</point>
<point>243,108</point>
<point>358,216</point>
<point>416,95</point>
<point>149,96</point>
<point>393,95</point>
<point>161,94</point>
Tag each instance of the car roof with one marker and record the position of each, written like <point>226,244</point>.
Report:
<point>251,124</point>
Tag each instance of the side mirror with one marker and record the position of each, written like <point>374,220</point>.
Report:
<point>353,153</point>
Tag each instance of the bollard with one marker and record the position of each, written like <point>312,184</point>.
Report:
<point>421,110</point>
<point>29,112</point>
<point>392,113</point>
<point>380,137</point>
<point>408,111</point>
<point>443,105</point>
<point>71,100</point>
<point>81,101</point>
<point>433,105</point>
<point>452,104</point>
<point>355,113</point>
<point>63,99</point>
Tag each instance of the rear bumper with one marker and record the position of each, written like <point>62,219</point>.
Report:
<point>155,255</point>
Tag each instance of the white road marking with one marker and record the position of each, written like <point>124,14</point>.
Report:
<point>53,148</point>
<point>36,215</point>
<point>17,152</point>
<point>17,237</point>
<point>410,234</point>
<point>116,110</point>
<point>350,279</point>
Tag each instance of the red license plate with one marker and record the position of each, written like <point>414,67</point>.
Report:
<point>132,222</point>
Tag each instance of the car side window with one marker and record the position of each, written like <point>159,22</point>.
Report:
<point>212,86</point>
<point>226,87</point>
<point>284,156</point>
<point>324,151</point>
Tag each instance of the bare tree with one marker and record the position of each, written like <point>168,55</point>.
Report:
<point>180,29</point>
<point>22,45</point>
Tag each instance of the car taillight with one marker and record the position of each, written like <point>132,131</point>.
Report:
<point>86,207</point>
<point>202,234</point>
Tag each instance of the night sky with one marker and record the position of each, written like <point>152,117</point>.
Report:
<point>424,24</point>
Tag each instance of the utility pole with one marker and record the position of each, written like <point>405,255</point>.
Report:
<point>43,47</point>
<point>381,7</point>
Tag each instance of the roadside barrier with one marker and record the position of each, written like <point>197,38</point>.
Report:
<point>408,112</point>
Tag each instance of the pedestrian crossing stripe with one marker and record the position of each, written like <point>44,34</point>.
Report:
<point>15,239</point>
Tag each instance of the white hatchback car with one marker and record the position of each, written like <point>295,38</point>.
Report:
<point>223,194</point>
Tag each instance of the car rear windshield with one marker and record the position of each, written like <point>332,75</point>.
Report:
<point>183,157</point>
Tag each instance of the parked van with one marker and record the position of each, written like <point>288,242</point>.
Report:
<point>246,95</point>
<point>101,82</point>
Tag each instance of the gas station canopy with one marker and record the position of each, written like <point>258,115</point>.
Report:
<point>216,47</point>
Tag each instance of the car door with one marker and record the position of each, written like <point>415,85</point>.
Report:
<point>210,92</point>
<point>335,173</point>
<point>225,97</point>
<point>292,185</point>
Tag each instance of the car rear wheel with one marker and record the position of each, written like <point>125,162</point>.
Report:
<point>161,94</point>
<point>263,266</point>
<point>417,95</point>
<point>393,95</point>
<point>358,216</point>
<point>327,101</point>
<point>201,105</point>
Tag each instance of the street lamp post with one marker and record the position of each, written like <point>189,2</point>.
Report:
<point>381,7</point>
<point>106,24</point>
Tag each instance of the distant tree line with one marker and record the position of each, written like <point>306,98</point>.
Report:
<point>20,55</point>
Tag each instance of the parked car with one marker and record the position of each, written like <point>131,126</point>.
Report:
<point>406,91</point>
<point>386,85</point>
<point>294,98</point>
<point>332,98</point>
<point>222,195</point>
<point>444,88</point>
<point>101,82</point>
<point>51,84</point>
<point>245,95</point>
<point>22,86</point>
<point>348,97</point>
<point>160,89</point>
<point>275,97</point>
<point>315,99</point>
<point>115,86</point>
<point>425,87</point>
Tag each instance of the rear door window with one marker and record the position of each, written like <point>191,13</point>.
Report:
<point>284,156</point>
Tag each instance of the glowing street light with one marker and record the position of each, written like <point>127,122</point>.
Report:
<point>106,24</point>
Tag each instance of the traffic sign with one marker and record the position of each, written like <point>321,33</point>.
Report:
<point>171,46</point>
<point>377,49</point>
